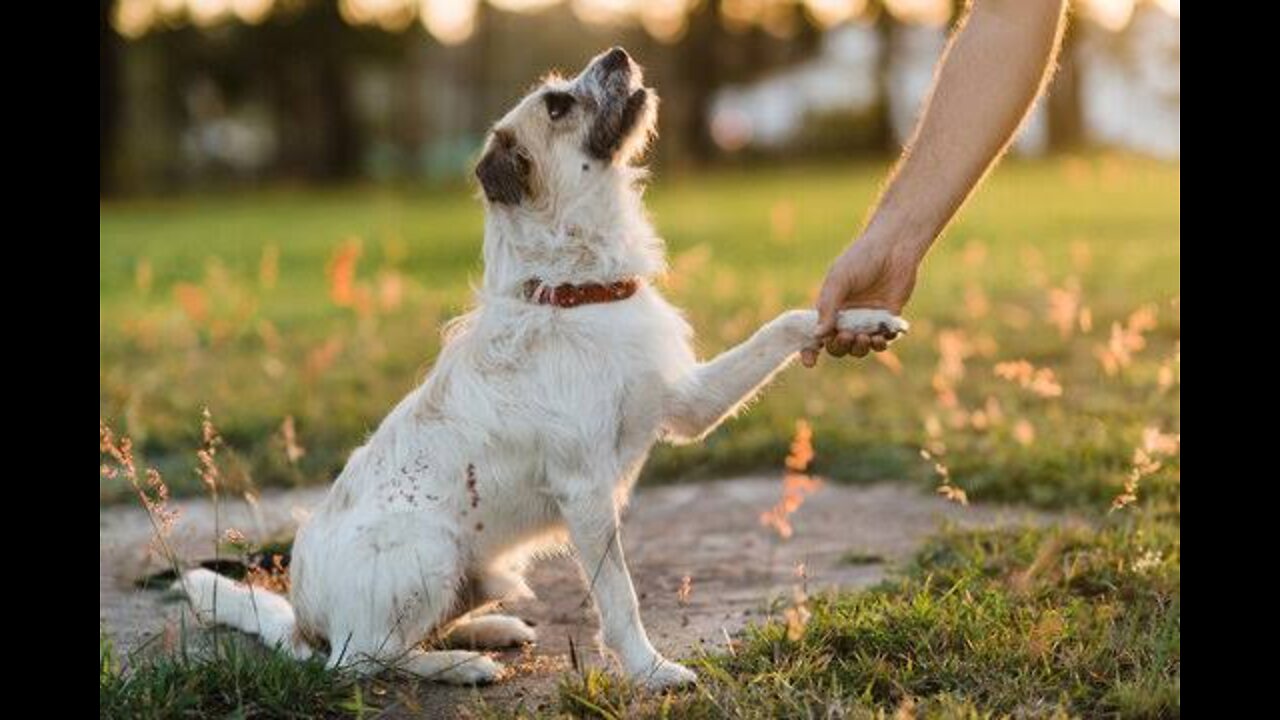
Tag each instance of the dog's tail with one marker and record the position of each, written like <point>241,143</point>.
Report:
<point>251,609</point>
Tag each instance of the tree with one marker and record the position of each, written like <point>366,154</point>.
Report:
<point>712,56</point>
<point>108,97</point>
<point>1065,114</point>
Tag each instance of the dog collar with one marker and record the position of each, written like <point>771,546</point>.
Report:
<point>569,295</point>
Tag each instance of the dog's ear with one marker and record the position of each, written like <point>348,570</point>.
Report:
<point>504,170</point>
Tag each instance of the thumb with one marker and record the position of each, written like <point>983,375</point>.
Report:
<point>828,305</point>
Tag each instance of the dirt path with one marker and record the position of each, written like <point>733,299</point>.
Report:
<point>707,531</point>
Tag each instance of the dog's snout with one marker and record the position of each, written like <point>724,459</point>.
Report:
<point>623,107</point>
<point>614,60</point>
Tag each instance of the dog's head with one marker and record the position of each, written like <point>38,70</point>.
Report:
<point>567,134</point>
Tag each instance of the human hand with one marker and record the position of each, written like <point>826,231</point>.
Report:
<point>872,273</point>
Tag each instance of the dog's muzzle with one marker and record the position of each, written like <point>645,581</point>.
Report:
<point>615,82</point>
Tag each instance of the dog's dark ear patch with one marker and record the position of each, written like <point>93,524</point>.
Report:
<point>504,171</point>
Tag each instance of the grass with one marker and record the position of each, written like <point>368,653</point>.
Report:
<point>1061,622</point>
<point>1074,622</point>
<point>260,308</point>
<point>238,681</point>
<point>243,304</point>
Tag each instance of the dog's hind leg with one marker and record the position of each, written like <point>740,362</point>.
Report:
<point>490,632</point>
<point>454,667</point>
<point>483,590</point>
<point>397,594</point>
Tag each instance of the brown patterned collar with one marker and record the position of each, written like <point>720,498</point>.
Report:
<point>569,295</point>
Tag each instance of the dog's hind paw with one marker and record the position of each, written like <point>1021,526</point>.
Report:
<point>491,632</point>
<point>454,667</point>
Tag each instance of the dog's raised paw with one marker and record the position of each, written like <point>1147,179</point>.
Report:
<point>868,321</point>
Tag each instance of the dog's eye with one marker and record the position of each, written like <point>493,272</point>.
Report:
<point>558,104</point>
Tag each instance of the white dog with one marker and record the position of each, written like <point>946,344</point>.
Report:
<point>536,419</point>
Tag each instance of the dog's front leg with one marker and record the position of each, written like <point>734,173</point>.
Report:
<point>717,389</point>
<point>592,518</point>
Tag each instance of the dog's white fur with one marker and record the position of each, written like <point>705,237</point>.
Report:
<point>535,420</point>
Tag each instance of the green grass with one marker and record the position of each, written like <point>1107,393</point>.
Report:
<point>238,681</point>
<point>743,246</point>
<point>1080,621</point>
<point>1074,622</point>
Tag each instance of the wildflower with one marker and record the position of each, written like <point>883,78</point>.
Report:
<point>143,276</point>
<point>1155,442</point>
<point>974,254</point>
<point>1040,381</point>
<point>798,615</point>
<point>1142,465</point>
<point>269,267</point>
<point>1147,562</point>
<point>953,348</point>
<point>322,357</point>
<point>954,494</point>
<point>1064,307</point>
<point>1081,254</point>
<point>782,221</point>
<point>995,413</point>
<point>889,360</point>
<point>1024,432</point>
<point>1033,266</point>
<point>193,301</point>
<point>342,272</point>
<point>946,488</point>
<point>152,492</point>
<point>796,484</point>
<point>1167,374</point>
<point>206,455</point>
<point>292,450</point>
<point>390,290</point>
<point>976,304</point>
<point>1125,340</point>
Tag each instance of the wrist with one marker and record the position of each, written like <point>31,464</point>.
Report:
<point>900,244</point>
<point>903,230</point>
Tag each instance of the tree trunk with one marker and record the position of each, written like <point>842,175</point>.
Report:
<point>886,27</point>
<point>700,60</point>
<point>108,98</point>
<point>1066,117</point>
<point>342,138</point>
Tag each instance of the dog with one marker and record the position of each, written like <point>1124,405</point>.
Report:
<point>535,421</point>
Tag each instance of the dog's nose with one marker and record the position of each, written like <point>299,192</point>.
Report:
<point>615,59</point>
